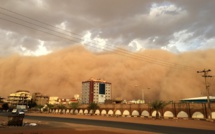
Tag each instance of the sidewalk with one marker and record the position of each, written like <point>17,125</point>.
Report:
<point>198,124</point>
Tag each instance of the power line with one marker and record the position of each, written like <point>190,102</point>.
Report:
<point>38,30</point>
<point>36,25</point>
<point>39,21</point>
<point>145,57</point>
<point>119,51</point>
<point>124,53</point>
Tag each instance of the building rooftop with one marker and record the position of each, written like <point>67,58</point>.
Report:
<point>199,99</point>
<point>96,80</point>
<point>22,91</point>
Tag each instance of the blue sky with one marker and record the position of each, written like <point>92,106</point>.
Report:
<point>101,25</point>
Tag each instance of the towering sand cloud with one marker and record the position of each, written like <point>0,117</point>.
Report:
<point>151,71</point>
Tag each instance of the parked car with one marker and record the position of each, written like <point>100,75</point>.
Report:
<point>14,111</point>
<point>18,112</point>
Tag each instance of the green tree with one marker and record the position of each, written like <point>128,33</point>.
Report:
<point>61,106</point>
<point>50,106</point>
<point>74,106</point>
<point>39,107</point>
<point>93,106</point>
<point>158,105</point>
<point>32,104</point>
<point>5,106</point>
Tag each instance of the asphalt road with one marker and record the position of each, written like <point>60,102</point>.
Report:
<point>123,125</point>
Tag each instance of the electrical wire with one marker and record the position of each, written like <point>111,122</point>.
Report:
<point>71,38</point>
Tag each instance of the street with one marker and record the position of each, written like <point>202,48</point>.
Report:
<point>121,125</point>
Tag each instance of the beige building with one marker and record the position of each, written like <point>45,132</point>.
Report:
<point>21,97</point>
<point>2,99</point>
<point>96,90</point>
<point>40,99</point>
<point>61,101</point>
<point>53,100</point>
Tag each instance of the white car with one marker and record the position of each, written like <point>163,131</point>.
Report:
<point>18,112</point>
<point>21,112</point>
<point>14,111</point>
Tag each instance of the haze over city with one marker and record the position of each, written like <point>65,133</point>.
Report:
<point>151,46</point>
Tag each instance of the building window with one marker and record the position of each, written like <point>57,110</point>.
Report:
<point>101,88</point>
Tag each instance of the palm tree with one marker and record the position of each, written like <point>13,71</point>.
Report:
<point>50,106</point>
<point>61,107</point>
<point>74,106</point>
<point>93,106</point>
<point>157,106</point>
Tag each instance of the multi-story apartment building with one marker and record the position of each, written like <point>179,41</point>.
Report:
<point>53,100</point>
<point>40,99</point>
<point>96,90</point>
<point>20,97</point>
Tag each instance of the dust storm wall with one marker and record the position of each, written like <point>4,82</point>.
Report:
<point>159,74</point>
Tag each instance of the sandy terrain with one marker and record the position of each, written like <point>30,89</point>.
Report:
<point>67,128</point>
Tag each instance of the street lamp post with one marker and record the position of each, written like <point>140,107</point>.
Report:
<point>142,92</point>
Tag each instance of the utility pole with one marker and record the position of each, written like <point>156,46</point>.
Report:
<point>142,94</point>
<point>207,85</point>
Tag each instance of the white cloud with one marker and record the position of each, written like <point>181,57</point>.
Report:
<point>209,43</point>
<point>181,41</point>
<point>142,44</point>
<point>181,26</point>
<point>157,10</point>
<point>165,12</point>
<point>40,3</point>
<point>184,40</point>
<point>96,43</point>
<point>137,44</point>
<point>41,50</point>
<point>62,25</point>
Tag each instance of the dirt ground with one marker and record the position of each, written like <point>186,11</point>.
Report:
<point>44,127</point>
